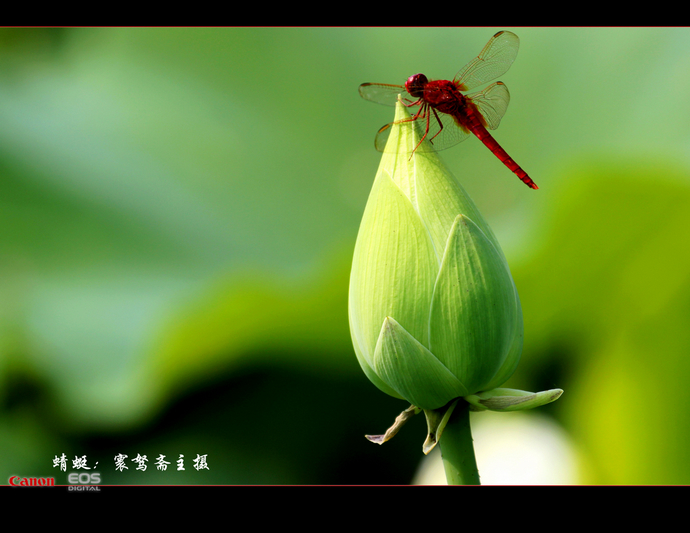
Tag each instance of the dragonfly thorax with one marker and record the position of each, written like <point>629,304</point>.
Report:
<point>444,96</point>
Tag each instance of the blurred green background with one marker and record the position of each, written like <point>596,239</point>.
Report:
<point>178,210</point>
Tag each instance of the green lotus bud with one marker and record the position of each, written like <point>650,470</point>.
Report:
<point>434,312</point>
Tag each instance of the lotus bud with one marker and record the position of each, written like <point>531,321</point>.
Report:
<point>434,313</point>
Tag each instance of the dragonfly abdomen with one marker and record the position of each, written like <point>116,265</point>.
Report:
<point>475,126</point>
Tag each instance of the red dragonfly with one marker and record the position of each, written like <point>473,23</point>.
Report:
<point>445,115</point>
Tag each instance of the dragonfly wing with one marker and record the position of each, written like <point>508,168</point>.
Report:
<point>381,93</point>
<point>492,103</point>
<point>450,135</point>
<point>440,130</point>
<point>493,61</point>
<point>382,137</point>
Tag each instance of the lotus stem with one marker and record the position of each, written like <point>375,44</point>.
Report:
<point>457,448</point>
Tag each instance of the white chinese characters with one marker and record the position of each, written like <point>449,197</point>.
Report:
<point>121,462</point>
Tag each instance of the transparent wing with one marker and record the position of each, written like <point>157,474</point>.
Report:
<point>493,61</point>
<point>442,133</point>
<point>492,103</point>
<point>381,93</point>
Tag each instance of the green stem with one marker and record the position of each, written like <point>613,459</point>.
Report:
<point>457,448</point>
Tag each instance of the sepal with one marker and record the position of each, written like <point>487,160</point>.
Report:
<point>511,399</point>
<point>436,420</point>
<point>400,421</point>
<point>410,369</point>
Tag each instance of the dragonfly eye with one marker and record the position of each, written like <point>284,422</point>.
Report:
<point>415,85</point>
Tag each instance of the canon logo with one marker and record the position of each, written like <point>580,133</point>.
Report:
<point>18,481</point>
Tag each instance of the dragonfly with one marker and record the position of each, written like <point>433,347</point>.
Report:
<point>445,116</point>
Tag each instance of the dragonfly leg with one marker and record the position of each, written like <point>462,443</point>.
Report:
<point>410,102</point>
<point>421,114</point>
<point>426,115</point>
<point>440,126</point>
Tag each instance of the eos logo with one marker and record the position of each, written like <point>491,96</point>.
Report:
<point>84,478</point>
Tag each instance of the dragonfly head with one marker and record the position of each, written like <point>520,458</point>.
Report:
<point>415,85</point>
